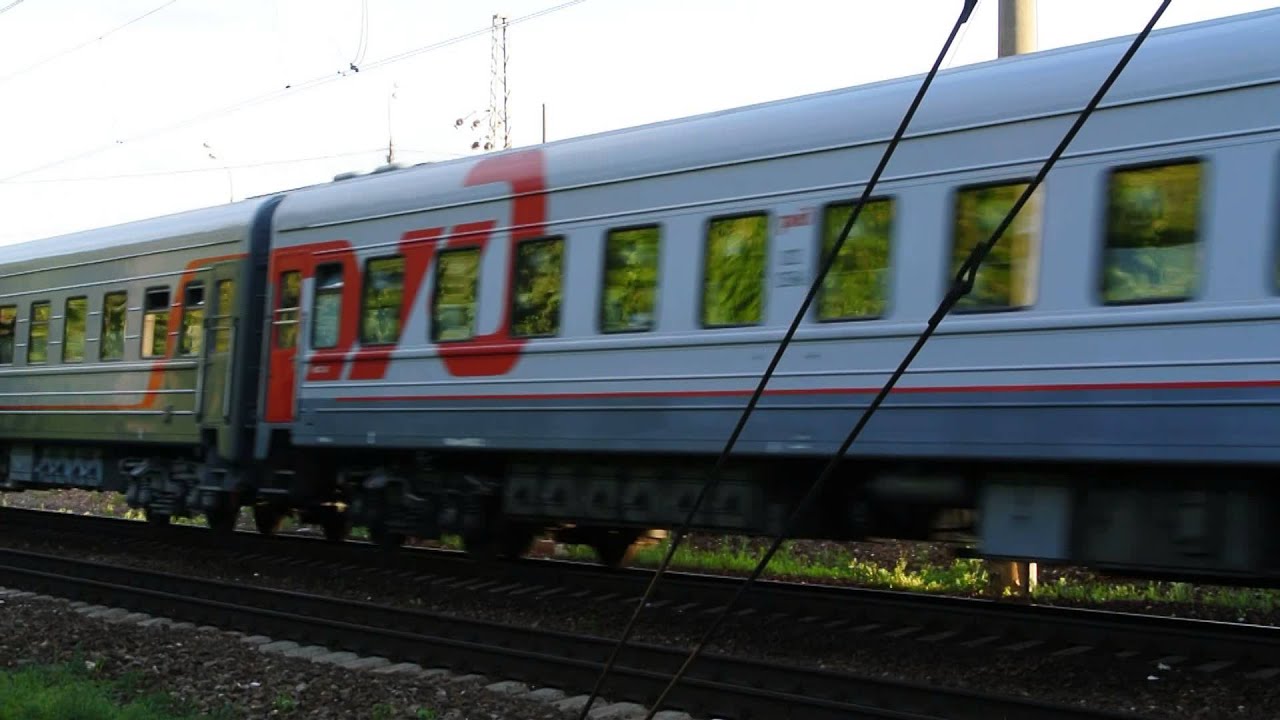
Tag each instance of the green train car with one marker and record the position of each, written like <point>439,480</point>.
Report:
<point>129,360</point>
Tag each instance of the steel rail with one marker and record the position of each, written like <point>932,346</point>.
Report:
<point>721,685</point>
<point>1104,630</point>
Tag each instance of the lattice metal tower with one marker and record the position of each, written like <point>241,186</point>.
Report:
<point>499,132</point>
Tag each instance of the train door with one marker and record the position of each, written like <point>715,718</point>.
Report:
<point>221,330</point>
<point>287,272</point>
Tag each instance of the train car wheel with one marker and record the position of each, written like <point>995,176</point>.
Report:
<point>266,518</point>
<point>222,520</point>
<point>156,518</point>
<point>384,538</point>
<point>336,528</point>
<point>510,542</point>
<point>615,548</point>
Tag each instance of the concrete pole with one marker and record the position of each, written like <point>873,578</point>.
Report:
<point>1017,27</point>
<point>1017,35</point>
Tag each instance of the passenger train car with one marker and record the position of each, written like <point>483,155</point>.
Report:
<point>562,337</point>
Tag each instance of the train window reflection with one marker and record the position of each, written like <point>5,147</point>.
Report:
<point>222,324</point>
<point>326,312</point>
<point>535,310</point>
<point>733,275</point>
<point>630,279</point>
<point>856,287</point>
<point>155,323</point>
<point>8,319</point>
<point>74,322</point>
<point>38,338</point>
<point>111,340</point>
<point>453,309</point>
<point>1007,277</point>
<point>383,295</point>
<point>286,321</point>
<point>1152,243</point>
<point>191,340</point>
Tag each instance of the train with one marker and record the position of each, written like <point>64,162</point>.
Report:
<point>559,338</point>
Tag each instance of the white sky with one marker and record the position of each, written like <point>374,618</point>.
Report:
<point>598,65</point>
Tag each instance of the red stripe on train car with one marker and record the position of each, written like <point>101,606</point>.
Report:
<point>1078,387</point>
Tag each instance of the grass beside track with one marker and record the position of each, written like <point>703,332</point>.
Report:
<point>912,567</point>
<point>76,692</point>
<point>894,566</point>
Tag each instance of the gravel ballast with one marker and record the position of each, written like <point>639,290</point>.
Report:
<point>1172,688</point>
<point>224,673</point>
<point>1089,677</point>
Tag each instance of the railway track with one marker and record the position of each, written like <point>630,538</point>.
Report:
<point>719,685</point>
<point>1212,647</point>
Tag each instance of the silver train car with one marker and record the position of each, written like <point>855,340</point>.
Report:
<point>563,336</point>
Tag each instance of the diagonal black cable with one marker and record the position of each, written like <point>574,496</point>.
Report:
<point>714,477</point>
<point>961,285</point>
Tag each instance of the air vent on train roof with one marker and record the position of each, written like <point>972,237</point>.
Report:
<point>387,168</point>
<point>347,175</point>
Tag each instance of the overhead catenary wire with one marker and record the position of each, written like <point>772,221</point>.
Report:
<point>955,51</point>
<point>961,284</point>
<point>85,44</point>
<point>10,6</point>
<point>223,168</point>
<point>714,478</point>
<point>290,89</point>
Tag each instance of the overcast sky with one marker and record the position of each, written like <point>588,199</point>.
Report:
<point>115,130</point>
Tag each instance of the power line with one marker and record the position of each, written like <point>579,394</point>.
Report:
<point>363,47</point>
<point>220,168</point>
<point>276,94</point>
<point>961,285</point>
<point>87,43</point>
<point>714,477</point>
<point>10,6</point>
<point>955,51</point>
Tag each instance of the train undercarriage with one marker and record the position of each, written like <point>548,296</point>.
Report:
<point>1207,523</point>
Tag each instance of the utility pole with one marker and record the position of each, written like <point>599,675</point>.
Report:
<point>544,123</point>
<point>499,132</point>
<point>1017,27</point>
<point>1017,35</point>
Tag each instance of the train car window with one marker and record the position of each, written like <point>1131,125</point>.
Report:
<point>733,277</point>
<point>222,323</point>
<point>326,310</point>
<point>155,323</point>
<point>1152,241</point>
<point>74,323</point>
<point>191,341</point>
<point>290,299</point>
<point>1006,280</point>
<point>630,279</point>
<point>111,341</point>
<point>8,320</point>
<point>383,297</point>
<point>535,302</point>
<point>38,337</point>
<point>857,287</point>
<point>453,309</point>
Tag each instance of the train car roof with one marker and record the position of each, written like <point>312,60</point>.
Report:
<point>1213,54</point>
<point>137,236</point>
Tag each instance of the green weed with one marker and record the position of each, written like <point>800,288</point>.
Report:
<point>71,692</point>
